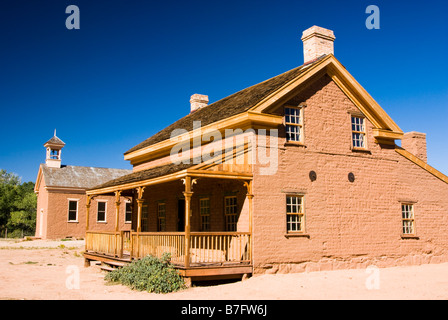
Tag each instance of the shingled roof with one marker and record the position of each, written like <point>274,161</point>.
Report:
<point>145,174</point>
<point>55,141</point>
<point>227,107</point>
<point>79,177</point>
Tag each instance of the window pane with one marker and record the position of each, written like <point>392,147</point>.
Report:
<point>101,206</point>
<point>72,205</point>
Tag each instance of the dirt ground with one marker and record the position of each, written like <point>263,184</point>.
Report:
<point>54,270</point>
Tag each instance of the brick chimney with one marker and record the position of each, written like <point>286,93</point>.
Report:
<point>415,143</point>
<point>198,101</point>
<point>317,41</point>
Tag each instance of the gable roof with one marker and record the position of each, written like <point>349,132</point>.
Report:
<point>77,177</point>
<point>227,107</point>
<point>260,97</point>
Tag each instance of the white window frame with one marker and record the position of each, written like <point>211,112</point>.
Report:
<point>105,211</point>
<point>358,129</point>
<point>296,210</point>
<point>296,121</point>
<point>407,219</point>
<point>68,209</point>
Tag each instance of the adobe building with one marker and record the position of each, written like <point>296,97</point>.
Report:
<point>312,179</point>
<point>61,196</point>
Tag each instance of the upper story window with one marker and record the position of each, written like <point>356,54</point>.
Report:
<point>73,210</point>
<point>101,212</point>
<point>294,124</point>
<point>358,132</point>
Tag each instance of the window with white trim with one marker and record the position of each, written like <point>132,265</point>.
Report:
<point>73,210</point>
<point>101,211</point>
<point>230,211</point>
<point>295,221</point>
<point>294,124</point>
<point>358,132</point>
<point>407,216</point>
<point>204,209</point>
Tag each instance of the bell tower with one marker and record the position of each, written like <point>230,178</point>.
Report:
<point>54,147</point>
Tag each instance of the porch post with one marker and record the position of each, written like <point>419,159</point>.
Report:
<point>140,202</point>
<point>118,240</point>
<point>250,198</point>
<point>188,194</point>
<point>88,243</point>
<point>89,200</point>
<point>117,210</point>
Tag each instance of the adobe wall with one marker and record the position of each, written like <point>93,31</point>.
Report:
<point>348,224</point>
<point>57,223</point>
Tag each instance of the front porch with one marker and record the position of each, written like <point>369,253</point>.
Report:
<point>210,255</point>
<point>213,241</point>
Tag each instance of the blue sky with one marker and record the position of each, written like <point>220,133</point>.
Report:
<point>131,68</point>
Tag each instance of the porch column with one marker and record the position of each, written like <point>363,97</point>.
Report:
<point>250,198</point>
<point>89,201</point>
<point>117,210</point>
<point>188,194</point>
<point>140,201</point>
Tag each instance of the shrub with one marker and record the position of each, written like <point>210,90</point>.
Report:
<point>149,274</point>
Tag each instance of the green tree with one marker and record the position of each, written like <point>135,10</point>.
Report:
<point>17,204</point>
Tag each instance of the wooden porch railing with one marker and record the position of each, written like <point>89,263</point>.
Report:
<point>220,247</point>
<point>105,242</point>
<point>157,243</point>
<point>205,247</point>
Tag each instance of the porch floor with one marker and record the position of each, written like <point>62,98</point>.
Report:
<point>195,272</point>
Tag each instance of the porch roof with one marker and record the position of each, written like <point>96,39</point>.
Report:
<point>164,173</point>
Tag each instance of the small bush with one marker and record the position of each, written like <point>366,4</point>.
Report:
<point>149,274</point>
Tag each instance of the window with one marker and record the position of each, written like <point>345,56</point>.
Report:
<point>294,214</point>
<point>407,215</point>
<point>230,211</point>
<point>128,213</point>
<point>358,132</point>
<point>204,209</point>
<point>161,216</point>
<point>73,210</point>
<point>294,124</point>
<point>101,212</point>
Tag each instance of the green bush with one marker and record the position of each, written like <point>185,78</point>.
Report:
<point>149,274</point>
